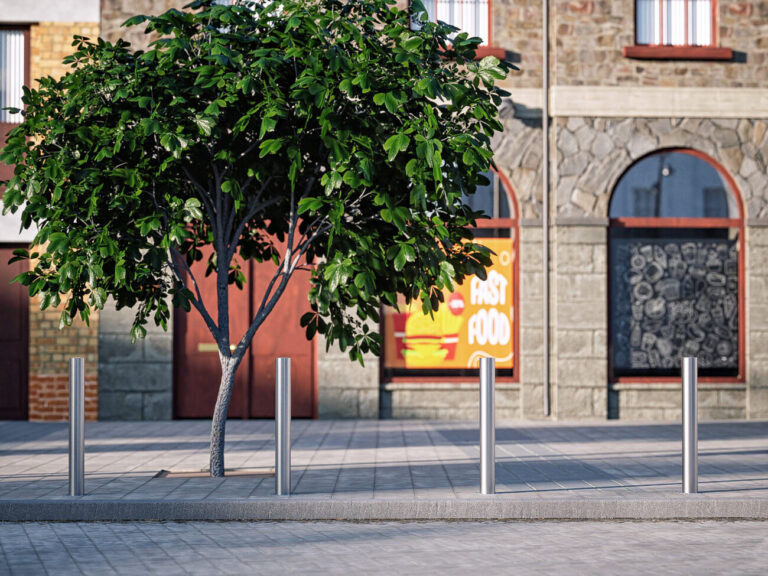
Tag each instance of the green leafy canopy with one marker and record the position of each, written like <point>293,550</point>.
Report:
<point>316,132</point>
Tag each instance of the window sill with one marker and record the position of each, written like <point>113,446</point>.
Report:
<point>483,51</point>
<point>658,52</point>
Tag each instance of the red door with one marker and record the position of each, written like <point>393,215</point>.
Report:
<point>281,336</point>
<point>14,339</point>
<point>6,171</point>
<point>196,360</point>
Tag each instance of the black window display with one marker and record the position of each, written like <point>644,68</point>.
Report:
<point>674,294</point>
<point>674,268</point>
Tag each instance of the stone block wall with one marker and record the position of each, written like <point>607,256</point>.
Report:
<point>580,312</point>
<point>757,322</point>
<point>518,155</point>
<point>663,401</point>
<point>345,388</point>
<point>531,314</point>
<point>447,400</point>
<point>590,35</point>
<point>135,380</point>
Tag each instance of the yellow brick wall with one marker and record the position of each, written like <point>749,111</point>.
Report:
<point>50,42</point>
<point>50,348</point>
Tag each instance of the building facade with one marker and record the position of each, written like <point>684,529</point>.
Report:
<point>651,127</point>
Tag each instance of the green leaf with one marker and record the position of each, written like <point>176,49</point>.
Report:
<point>192,209</point>
<point>205,124</point>
<point>270,147</point>
<point>119,272</point>
<point>400,259</point>
<point>311,203</point>
<point>99,297</point>
<point>267,125</point>
<point>396,144</point>
<point>58,242</point>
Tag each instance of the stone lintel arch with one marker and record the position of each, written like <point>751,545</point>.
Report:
<point>593,153</point>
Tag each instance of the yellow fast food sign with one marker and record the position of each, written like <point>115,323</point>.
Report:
<point>476,320</point>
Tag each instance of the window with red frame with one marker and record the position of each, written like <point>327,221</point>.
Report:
<point>675,266</point>
<point>674,22</point>
<point>470,16</point>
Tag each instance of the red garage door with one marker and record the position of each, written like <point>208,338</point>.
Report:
<point>196,360</point>
<point>14,311</point>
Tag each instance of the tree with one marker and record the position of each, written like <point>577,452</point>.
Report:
<point>317,133</point>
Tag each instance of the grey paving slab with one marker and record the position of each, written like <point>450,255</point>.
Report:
<point>424,548</point>
<point>386,469</point>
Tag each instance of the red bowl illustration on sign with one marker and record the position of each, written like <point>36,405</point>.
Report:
<point>456,304</point>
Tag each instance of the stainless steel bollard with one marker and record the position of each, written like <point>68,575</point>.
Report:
<point>76,426</point>
<point>487,426</point>
<point>690,427</point>
<point>283,426</point>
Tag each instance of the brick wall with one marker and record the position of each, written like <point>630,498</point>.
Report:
<point>115,12</point>
<point>517,29</point>
<point>49,347</point>
<point>590,35</point>
<point>49,352</point>
<point>50,42</point>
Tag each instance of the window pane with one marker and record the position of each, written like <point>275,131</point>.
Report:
<point>491,198</point>
<point>429,6</point>
<point>471,16</point>
<point>674,293</point>
<point>11,73</point>
<point>648,28</point>
<point>673,185</point>
<point>700,22</point>
<point>674,22</point>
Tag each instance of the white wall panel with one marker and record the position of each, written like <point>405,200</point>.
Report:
<point>50,11</point>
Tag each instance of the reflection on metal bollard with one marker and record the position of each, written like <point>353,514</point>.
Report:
<point>283,426</point>
<point>76,426</point>
<point>690,427</point>
<point>487,426</point>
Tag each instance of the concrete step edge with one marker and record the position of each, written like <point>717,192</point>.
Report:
<point>297,508</point>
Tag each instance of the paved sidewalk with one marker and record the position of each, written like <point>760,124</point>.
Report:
<point>386,470</point>
<point>385,548</point>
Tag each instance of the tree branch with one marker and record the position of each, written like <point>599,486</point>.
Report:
<point>198,303</point>
<point>235,242</point>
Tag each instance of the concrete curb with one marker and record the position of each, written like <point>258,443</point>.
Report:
<point>297,508</point>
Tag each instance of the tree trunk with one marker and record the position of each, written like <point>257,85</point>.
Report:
<point>219,421</point>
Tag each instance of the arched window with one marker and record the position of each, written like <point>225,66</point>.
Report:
<point>479,318</point>
<point>674,268</point>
